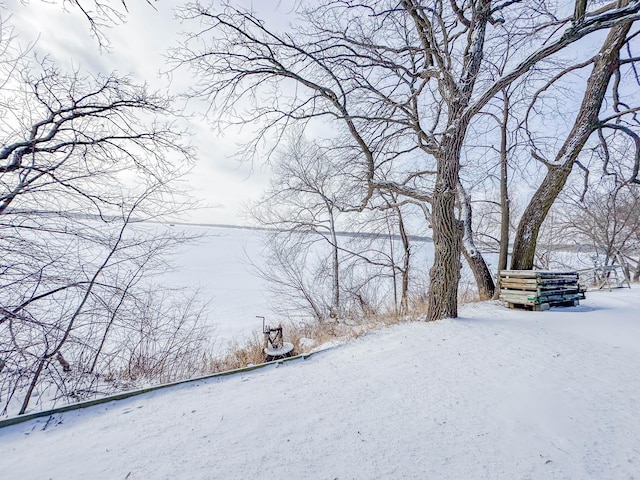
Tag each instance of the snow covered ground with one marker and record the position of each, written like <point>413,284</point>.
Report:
<point>496,393</point>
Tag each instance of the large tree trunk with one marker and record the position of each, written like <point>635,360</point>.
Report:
<point>481,273</point>
<point>445,272</point>
<point>524,245</point>
<point>447,234</point>
<point>606,63</point>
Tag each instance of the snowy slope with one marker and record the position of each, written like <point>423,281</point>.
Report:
<point>497,394</point>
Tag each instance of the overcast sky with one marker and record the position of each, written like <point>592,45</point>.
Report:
<point>137,48</point>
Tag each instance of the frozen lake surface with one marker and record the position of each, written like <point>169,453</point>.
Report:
<point>217,264</point>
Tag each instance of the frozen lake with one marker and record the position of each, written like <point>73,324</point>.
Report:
<point>217,265</point>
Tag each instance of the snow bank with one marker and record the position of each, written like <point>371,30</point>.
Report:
<point>497,394</point>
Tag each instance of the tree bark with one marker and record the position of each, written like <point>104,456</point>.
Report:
<point>605,65</point>
<point>481,274</point>
<point>504,192</point>
<point>404,298</point>
<point>447,233</point>
<point>335,264</point>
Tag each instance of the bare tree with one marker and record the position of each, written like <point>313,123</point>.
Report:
<point>606,66</point>
<point>605,219</point>
<point>505,207</point>
<point>83,161</point>
<point>380,254</point>
<point>306,195</point>
<point>397,225</point>
<point>102,15</point>
<point>402,81</point>
<point>308,200</point>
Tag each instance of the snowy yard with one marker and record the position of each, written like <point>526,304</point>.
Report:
<point>497,394</point>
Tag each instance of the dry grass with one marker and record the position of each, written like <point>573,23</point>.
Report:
<point>307,337</point>
<point>238,356</point>
<point>310,336</point>
<point>467,293</point>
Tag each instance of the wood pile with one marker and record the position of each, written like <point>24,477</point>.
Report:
<point>539,290</point>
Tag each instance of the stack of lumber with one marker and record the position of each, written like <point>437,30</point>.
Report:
<point>539,289</point>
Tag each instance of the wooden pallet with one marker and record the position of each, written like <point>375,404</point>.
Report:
<point>540,289</point>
